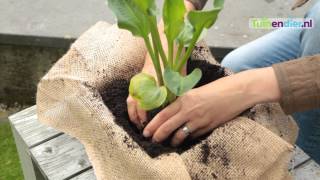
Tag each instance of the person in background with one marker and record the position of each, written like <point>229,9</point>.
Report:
<point>282,66</point>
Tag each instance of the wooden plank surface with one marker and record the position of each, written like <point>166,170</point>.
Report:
<point>24,156</point>
<point>88,175</point>
<point>299,158</point>
<point>61,157</point>
<point>307,171</point>
<point>30,129</point>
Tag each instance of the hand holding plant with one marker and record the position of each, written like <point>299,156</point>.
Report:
<point>139,17</point>
<point>137,115</point>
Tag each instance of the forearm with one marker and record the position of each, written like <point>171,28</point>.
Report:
<point>245,89</point>
<point>261,85</point>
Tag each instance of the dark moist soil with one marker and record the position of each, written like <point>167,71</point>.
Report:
<point>115,94</point>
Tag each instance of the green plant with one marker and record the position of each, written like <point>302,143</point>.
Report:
<point>140,18</point>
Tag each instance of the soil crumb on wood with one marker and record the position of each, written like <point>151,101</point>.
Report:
<point>115,94</point>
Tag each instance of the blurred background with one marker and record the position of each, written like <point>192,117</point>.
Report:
<point>34,34</point>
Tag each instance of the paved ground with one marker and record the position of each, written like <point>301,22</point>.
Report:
<point>68,19</point>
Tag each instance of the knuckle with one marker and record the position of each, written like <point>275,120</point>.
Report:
<point>189,97</point>
<point>163,115</point>
<point>198,113</point>
<point>165,130</point>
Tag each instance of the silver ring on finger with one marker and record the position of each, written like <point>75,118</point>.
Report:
<point>186,130</point>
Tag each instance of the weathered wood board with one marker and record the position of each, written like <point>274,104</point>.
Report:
<point>307,171</point>
<point>61,157</point>
<point>88,175</point>
<point>299,158</point>
<point>30,129</point>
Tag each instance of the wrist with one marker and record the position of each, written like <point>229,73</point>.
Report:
<point>262,86</point>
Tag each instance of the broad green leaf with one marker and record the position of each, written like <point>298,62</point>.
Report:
<point>199,20</point>
<point>173,18</point>
<point>130,16</point>
<point>147,6</point>
<point>203,19</point>
<point>179,84</point>
<point>186,34</point>
<point>143,88</point>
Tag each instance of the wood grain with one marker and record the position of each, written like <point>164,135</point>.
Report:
<point>308,171</point>
<point>88,175</point>
<point>61,157</point>
<point>30,129</point>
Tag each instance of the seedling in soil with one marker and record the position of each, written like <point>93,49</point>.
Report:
<point>140,18</point>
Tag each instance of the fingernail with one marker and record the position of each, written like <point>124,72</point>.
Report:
<point>146,133</point>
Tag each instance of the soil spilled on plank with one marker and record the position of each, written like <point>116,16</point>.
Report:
<point>115,94</point>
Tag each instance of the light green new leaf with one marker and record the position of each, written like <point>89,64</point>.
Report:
<point>143,88</point>
<point>186,34</point>
<point>179,84</point>
<point>130,16</point>
<point>147,6</point>
<point>200,20</point>
<point>203,19</point>
<point>173,18</point>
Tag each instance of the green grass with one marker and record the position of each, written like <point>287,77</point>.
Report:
<point>10,168</point>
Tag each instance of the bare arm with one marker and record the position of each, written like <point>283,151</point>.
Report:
<point>295,84</point>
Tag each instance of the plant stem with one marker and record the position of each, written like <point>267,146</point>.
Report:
<point>156,56</point>
<point>178,55</point>
<point>170,53</point>
<point>156,53</point>
<point>189,50</point>
<point>156,37</point>
<point>155,61</point>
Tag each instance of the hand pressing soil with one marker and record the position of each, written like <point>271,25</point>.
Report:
<point>115,94</point>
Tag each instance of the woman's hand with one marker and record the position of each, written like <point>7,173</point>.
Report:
<point>209,106</point>
<point>137,115</point>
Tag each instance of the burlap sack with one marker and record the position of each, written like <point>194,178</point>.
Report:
<point>68,99</point>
